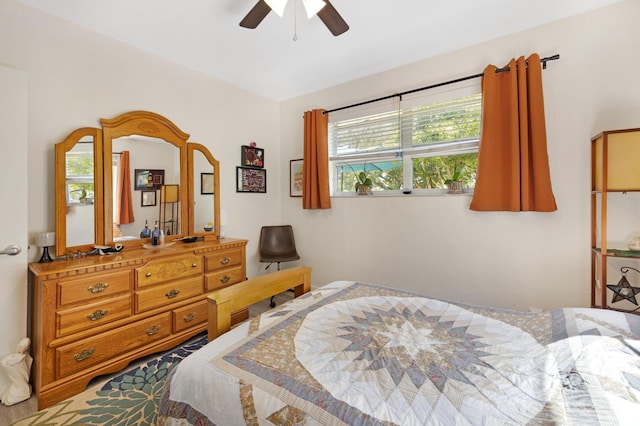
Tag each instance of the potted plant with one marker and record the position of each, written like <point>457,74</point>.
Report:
<point>363,185</point>
<point>82,198</point>
<point>454,183</point>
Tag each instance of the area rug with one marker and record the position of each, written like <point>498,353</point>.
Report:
<point>130,398</point>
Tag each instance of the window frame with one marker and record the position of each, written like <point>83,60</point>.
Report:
<point>407,150</point>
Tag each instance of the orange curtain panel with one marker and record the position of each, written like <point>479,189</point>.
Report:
<point>124,206</point>
<point>513,164</point>
<point>315,189</point>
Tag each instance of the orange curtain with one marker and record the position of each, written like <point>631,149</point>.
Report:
<point>513,164</point>
<point>315,190</point>
<point>124,206</point>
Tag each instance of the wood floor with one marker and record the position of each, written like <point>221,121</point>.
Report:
<point>13,413</point>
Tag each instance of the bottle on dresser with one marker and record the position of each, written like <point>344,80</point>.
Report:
<point>155,235</point>
<point>146,232</point>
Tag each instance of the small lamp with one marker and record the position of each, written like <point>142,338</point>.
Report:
<point>45,240</point>
<point>169,194</point>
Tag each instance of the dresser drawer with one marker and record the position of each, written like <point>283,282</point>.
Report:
<point>93,287</point>
<point>73,320</point>
<point>224,259</point>
<point>190,316</point>
<point>157,271</point>
<point>165,294</point>
<point>224,278</point>
<point>94,350</point>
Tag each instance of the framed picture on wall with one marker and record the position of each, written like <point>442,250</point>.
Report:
<point>146,179</point>
<point>148,198</point>
<point>295,178</point>
<point>206,183</point>
<point>251,180</point>
<point>252,156</point>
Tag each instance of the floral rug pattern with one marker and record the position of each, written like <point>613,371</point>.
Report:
<point>130,398</point>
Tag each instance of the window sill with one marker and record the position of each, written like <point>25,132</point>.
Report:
<point>385,194</point>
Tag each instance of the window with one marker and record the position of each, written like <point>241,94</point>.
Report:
<point>417,142</point>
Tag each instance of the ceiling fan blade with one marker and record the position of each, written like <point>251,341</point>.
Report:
<point>256,15</point>
<point>332,19</point>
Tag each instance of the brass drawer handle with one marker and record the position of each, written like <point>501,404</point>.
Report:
<point>225,279</point>
<point>189,317</point>
<point>173,293</point>
<point>84,354</point>
<point>225,260</point>
<point>148,274</point>
<point>153,329</point>
<point>194,265</point>
<point>98,288</point>
<point>97,315</point>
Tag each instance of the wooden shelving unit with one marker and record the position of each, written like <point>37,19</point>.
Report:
<point>615,157</point>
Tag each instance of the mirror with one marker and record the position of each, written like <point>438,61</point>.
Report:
<point>145,133</point>
<point>204,191</point>
<point>78,190</point>
<point>151,163</point>
<point>168,169</point>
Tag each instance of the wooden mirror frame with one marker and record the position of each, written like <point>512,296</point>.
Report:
<point>142,123</point>
<point>149,124</point>
<point>191,148</point>
<point>60,186</point>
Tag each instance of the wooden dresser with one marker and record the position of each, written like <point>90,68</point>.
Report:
<point>94,315</point>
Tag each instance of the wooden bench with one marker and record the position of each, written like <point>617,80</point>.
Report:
<point>243,294</point>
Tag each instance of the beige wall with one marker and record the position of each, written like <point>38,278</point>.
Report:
<point>75,77</point>
<point>436,246</point>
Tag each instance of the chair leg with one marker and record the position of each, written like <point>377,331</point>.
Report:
<point>273,302</point>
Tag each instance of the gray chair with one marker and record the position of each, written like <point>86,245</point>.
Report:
<point>277,245</point>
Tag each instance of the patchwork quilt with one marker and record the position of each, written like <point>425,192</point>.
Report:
<point>357,354</point>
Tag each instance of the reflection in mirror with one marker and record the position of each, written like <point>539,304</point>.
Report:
<point>80,190</point>
<point>78,193</point>
<point>204,191</point>
<point>203,196</point>
<point>151,163</point>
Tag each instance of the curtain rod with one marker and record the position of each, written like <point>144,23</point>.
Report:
<point>433,86</point>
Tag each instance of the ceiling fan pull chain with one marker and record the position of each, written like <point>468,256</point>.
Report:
<point>295,21</point>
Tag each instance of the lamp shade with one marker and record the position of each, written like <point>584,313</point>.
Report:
<point>169,194</point>
<point>277,6</point>
<point>313,7</point>
<point>46,239</point>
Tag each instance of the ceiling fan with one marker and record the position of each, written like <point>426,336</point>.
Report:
<point>323,8</point>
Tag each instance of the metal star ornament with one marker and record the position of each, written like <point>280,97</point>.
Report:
<point>624,290</point>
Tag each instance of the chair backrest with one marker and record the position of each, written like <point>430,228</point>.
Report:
<point>277,244</point>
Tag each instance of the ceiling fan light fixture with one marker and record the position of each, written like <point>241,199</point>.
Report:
<point>277,6</point>
<point>312,7</point>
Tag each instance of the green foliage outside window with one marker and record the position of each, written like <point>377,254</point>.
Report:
<point>79,170</point>
<point>432,172</point>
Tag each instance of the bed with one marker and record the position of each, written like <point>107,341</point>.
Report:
<point>360,354</point>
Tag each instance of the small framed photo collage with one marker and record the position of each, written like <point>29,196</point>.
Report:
<point>251,176</point>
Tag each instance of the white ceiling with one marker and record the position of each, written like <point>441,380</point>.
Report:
<point>204,35</point>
